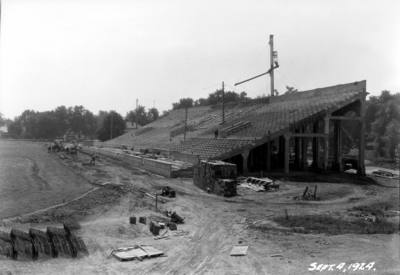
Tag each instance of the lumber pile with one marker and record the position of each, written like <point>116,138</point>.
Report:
<point>217,177</point>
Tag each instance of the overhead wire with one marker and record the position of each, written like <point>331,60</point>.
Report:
<point>288,79</point>
<point>252,64</point>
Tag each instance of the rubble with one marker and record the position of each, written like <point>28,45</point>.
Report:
<point>135,252</point>
<point>239,250</point>
<point>258,184</point>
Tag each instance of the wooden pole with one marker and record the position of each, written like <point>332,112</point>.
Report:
<point>269,152</point>
<point>223,103</point>
<point>271,44</point>
<point>184,133</point>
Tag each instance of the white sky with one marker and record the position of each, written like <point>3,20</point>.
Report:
<point>104,54</point>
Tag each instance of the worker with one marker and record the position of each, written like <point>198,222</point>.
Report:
<point>216,133</point>
<point>93,159</point>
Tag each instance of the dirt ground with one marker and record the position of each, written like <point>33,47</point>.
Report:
<point>32,179</point>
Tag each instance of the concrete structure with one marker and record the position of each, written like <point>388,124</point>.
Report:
<point>265,133</point>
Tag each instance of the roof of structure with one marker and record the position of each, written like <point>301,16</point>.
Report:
<point>273,115</point>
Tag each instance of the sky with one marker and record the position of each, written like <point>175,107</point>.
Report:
<point>106,54</point>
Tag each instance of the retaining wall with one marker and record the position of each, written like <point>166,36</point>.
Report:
<point>155,166</point>
<point>193,159</point>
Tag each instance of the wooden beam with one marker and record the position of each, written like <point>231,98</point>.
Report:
<point>345,118</point>
<point>310,135</point>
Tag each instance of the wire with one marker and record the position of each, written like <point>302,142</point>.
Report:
<point>288,80</point>
<point>188,93</point>
<point>239,90</point>
<point>251,64</point>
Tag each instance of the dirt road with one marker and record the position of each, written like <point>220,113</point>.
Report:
<point>214,226</point>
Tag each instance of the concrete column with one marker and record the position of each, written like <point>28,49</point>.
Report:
<point>361,146</point>
<point>286,153</point>
<point>245,155</point>
<point>338,145</point>
<point>315,146</point>
<point>297,149</point>
<point>281,150</point>
<point>326,142</point>
<point>304,145</point>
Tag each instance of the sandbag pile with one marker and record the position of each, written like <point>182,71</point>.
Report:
<point>35,243</point>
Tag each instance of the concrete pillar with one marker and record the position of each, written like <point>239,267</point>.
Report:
<point>286,153</point>
<point>338,145</point>
<point>281,150</point>
<point>315,146</point>
<point>361,146</point>
<point>297,149</point>
<point>245,155</point>
<point>304,145</point>
<point>326,142</point>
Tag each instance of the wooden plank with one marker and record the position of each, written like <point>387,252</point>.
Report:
<point>239,250</point>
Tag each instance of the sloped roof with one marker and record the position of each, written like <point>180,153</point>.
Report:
<point>275,115</point>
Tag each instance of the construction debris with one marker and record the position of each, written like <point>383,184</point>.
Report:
<point>135,252</point>
<point>258,184</point>
<point>308,194</point>
<point>154,228</point>
<point>168,192</point>
<point>239,250</point>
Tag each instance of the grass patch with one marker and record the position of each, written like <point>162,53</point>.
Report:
<point>378,208</point>
<point>333,226</point>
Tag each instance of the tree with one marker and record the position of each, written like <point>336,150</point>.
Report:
<point>291,90</point>
<point>99,118</point>
<point>46,125</point>
<point>391,138</point>
<point>183,103</point>
<point>387,109</point>
<point>142,116</point>
<point>15,128</point>
<point>61,114</point>
<point>152,114</point>
<point>113,126</point>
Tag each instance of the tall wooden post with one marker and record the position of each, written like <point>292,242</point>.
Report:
<point>184,130</point>
<point>271,44</point>
<point>223,103</point>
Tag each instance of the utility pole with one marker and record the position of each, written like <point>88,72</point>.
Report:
<point>184,133</point>
<point>136,116</point>
<point>274,65</point>
<point>223,104</point>
<point>271,44</point>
